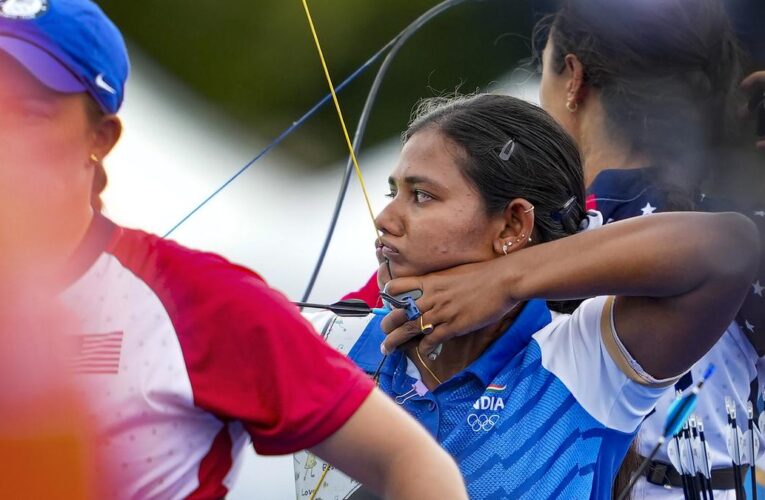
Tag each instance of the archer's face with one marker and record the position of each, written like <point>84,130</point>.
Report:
<point>44,173</point>
<point>436,218</point>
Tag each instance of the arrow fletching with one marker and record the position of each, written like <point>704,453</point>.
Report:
<point>351,308</point>
<point>681,408</point>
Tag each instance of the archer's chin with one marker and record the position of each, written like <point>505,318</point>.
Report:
<point>401,270</point>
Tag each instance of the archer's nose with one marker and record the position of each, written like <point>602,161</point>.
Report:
<point>390,220</point>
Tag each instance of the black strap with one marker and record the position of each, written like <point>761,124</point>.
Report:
<point>664,474</point>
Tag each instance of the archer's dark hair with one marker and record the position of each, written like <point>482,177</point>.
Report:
<point>541,164</point>
<point>667,73</point>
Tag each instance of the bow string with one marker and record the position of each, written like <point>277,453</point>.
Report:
<point>390,50</point>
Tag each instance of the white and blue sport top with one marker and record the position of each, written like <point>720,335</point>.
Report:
<point>547,411</point>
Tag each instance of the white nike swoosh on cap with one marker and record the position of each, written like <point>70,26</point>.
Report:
<point>101,83</point>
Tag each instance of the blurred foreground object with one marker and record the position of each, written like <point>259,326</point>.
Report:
<point>45,446</point>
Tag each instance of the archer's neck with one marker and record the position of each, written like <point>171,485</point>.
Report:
<point>459,352</point>
<point>601,149</point>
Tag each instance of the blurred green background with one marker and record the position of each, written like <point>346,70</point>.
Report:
<point>257,62</point>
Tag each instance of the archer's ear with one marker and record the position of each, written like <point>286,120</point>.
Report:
<point>576,88</point>
<point>518,227</point>
<point>106,133</point>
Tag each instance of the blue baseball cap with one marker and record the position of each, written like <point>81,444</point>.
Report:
<point>70,46</point>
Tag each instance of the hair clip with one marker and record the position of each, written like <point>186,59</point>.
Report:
<point>565,210</point>
<point>507,150</point>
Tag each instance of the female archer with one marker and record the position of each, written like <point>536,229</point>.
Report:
<point>648,91</point>
<point>535,402</point>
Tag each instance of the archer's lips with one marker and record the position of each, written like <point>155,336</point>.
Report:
<point>385,250</point>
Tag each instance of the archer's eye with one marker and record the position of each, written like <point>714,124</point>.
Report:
<point>391,194</point>
<point>422,196</point>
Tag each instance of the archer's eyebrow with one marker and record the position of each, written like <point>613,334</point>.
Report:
<point>414,179</point>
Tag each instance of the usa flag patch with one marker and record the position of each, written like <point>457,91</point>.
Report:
<point>97,354</point>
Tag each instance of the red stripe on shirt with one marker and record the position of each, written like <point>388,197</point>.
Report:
<point>214,467</point>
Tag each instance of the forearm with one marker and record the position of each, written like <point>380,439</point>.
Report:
<point>419,472</point>
<point>679,279</point>
<point>664,255</point>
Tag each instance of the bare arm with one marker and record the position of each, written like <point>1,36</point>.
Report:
<point>679,278</point>
<point>388,451</point>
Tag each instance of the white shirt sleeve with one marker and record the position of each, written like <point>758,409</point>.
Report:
<point>584,352</point>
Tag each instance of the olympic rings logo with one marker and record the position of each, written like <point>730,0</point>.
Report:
<point>482,422</point>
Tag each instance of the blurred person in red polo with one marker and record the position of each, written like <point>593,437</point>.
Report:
<point>183,356</point>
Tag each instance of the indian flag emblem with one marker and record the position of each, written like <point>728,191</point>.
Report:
<point>496,388</point>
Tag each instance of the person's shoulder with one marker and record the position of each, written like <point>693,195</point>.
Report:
<point>623,193</point>
<point>167,262</point>
<point>583,351</point>
<point>195,284</point>
<point>624,183</point>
